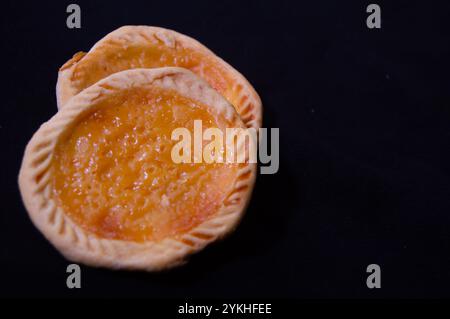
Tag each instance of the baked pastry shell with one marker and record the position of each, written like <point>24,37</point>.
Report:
<point>82,246</point>
<point>249,108</point>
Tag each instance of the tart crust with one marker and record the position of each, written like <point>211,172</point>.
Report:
<point>221,76</point>
<point>80,245</point>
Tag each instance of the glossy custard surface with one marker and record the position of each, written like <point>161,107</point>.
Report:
<point>114,176</point>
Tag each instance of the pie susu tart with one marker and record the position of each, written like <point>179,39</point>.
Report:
<point>150,47</point>
<point>99,182</point>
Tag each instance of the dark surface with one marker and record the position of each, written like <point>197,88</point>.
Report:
<point>365,165</point>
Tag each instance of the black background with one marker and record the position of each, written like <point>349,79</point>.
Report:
<point>365,164</point>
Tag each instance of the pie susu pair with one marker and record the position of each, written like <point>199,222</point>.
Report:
<point>98,179</point>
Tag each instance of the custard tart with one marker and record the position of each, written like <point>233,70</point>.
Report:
<point>99,180</point>
<point>132,47</point>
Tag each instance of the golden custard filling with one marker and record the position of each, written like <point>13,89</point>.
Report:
<point>114,57</point>
<point>114,176</point>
